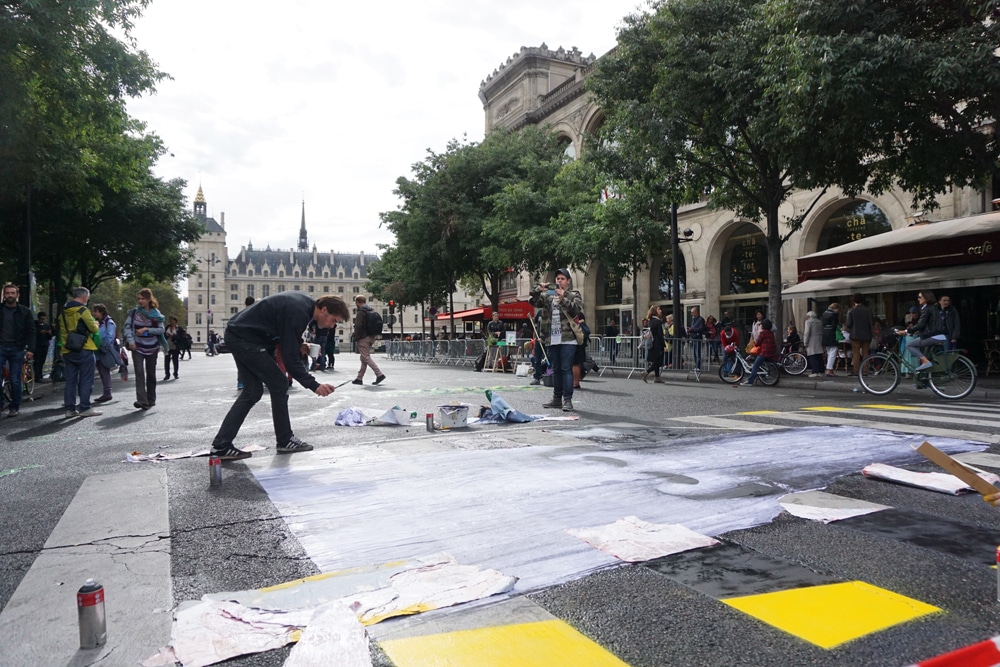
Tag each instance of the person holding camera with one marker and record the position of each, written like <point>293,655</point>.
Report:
<point>559,306</point>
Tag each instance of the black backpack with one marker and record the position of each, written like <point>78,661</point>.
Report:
<point>373,323</point>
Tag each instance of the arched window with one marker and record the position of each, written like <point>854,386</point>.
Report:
<point>744,261</point>
<point>851,222</point>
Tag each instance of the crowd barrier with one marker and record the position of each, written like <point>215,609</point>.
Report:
<point>623,353</point>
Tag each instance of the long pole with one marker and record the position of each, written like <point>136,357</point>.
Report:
<point>675,278</point>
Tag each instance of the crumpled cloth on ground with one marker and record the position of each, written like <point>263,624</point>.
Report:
<point>350,417</point>
<point>500,411</point>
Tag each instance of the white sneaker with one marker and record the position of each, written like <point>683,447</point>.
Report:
<point>90,413</point>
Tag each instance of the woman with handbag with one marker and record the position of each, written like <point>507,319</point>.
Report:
<point>108,355</point>
<point>144,337</point>
<point>559,307</point>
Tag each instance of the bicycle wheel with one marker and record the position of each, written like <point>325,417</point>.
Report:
<point>769,373</point>
<point>957,381</point>
<point>735,373</point>
<point>794,363</point>
<point>28,378</point>
<point>879,374</point>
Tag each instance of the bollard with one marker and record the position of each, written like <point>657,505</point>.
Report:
<point>214,471</point>
<point>430,423</point>
<point>90,613</point>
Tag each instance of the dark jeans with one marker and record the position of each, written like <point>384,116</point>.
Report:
<point>538,360</point>
<point>145,377</point>
<point>13,358</point>
<point>561,357</point>
<point>815,362</point>
<point>256,368</point>
<point>105,373</point>
<point>79,378</point>
<point>173,357</point>
<point>39,361</point>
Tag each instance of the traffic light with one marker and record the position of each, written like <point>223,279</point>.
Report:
<point>392,307</point>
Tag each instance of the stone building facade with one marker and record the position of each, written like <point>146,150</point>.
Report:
<point>724,266</point>
<point>220,285</point>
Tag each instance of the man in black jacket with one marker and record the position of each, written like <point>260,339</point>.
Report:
<point>254,335</point>
<point>17,343</point>
<point>952,324</point>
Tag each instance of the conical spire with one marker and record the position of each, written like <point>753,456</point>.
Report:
<point>303,238</point>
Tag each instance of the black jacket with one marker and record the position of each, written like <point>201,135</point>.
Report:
<point>830,321</point>
<point>278,320</point>
<point>950,321</point>
<point>24,327</point>
<point>929,324</point>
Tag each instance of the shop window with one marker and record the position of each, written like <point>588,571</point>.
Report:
<point>852,222</point>
<point>744,262</point>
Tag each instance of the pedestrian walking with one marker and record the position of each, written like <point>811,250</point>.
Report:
<point>831,327</point>
<point>364,336</point>
<point>144,337</point>
<point>17,343</point>
<point>108,355</point>
<point>254,336</point>
<point>174,335</point>
<point>812,338</point>
<point>860,325</point>
<point>654,359</point>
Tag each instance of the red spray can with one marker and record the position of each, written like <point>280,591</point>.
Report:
<point>90,611</point>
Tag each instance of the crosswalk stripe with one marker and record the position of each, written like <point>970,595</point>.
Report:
<point>116,531</point>
<point>937,419</point>
<point>722,422</point>
<point>827,420</point>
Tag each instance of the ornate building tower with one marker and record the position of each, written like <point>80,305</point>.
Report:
<point>303,238</point>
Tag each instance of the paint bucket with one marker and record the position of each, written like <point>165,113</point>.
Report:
<point>453,416</point>
<point>313,350</point>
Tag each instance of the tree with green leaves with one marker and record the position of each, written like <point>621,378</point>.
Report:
<point>739,102</point>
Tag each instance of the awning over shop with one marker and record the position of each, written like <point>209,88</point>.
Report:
<point>958,242</point>
<point>515,310</point>
<point>943,277</point>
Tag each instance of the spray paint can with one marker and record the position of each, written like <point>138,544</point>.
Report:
<point>214,471</point>
<point>90,611</point>
<point>430,427</point>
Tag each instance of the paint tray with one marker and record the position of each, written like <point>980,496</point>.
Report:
<point>455,415</point>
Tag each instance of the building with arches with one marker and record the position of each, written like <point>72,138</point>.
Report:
<point>724,266</point>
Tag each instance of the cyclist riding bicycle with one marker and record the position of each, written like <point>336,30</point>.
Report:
<point>928,326</point>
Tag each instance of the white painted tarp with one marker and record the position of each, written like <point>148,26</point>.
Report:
<point>633,540</point>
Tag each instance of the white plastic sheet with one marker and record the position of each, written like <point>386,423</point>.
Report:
<point>827,507</point>
<point>633,540</point>
<point>508,509</point>
<point>941,482</point>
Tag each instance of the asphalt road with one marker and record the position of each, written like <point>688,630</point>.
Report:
<point>930,548</point>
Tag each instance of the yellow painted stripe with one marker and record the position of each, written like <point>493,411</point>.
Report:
<point>823,408</point>
<point>830,615</point>
<point>335,573</point>
<point>894,407</point>
<point>537,644</point>
<point>759,412</point>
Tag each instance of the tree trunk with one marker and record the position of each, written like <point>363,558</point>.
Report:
<point>774,310</point>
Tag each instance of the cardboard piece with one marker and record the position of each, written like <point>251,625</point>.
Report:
<point>956,469</point>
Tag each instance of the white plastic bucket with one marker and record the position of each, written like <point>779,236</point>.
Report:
<point>453,416</point>
<point>313,350</point>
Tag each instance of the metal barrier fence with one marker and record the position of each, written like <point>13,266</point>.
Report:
<point>623,353</point>
<point>628,353</point>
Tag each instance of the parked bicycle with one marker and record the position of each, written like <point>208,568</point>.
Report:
<point>951,375</point>
<point>768,374</point>
<point>792,362</point>
<point>27,379</point>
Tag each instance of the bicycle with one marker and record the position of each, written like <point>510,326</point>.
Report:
<point>769,372</point>
<point>792,362</point>
<point>27,379</point>
<point>951,376</point>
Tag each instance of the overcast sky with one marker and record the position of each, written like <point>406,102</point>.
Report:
<point>273,103</point>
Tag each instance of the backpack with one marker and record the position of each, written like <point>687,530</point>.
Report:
<point>373,323</point>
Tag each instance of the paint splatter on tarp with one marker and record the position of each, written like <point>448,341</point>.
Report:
<point>633,540</point>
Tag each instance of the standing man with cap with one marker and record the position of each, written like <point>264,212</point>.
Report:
<point>556,327</point>
<point>17,343</point>
<point>252,335</point>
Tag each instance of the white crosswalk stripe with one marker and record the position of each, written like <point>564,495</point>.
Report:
<point>977,422</point>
